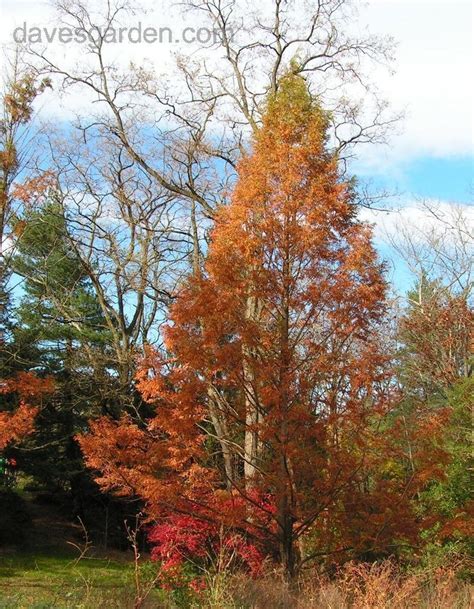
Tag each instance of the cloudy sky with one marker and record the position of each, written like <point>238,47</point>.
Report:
<point>433,84</point>
<point>433,155</point>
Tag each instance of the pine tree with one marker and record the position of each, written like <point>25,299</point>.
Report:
<point>58,331</point>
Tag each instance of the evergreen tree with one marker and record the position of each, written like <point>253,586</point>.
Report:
<point>59,331</point>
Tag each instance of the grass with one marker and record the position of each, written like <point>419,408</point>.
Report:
<point>358,586</point>
<point>31,581</point>
<point>47,573</point>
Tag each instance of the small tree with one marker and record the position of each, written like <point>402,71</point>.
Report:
<point>435,373</point>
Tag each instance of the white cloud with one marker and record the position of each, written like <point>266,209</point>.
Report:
<point>6,246</point>
<point>420,217</point>
<point>433,82</point>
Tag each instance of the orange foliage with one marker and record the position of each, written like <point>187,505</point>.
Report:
<point>276,366</point>
<point>29,389</point>
<point>34,188</point>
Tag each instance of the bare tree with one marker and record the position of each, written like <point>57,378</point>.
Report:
<point>438,246</point>
<point>131,238</point>
<point>193,132</point>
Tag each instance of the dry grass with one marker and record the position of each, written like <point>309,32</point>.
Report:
<point>358,586</point>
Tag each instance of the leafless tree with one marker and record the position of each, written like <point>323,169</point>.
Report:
<point>439,245</point>
<point>189,135</point>
<point>131,237</point>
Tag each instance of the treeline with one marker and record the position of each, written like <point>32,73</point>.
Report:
<point>196,327</point>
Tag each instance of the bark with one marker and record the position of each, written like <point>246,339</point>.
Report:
<point>222,432</point>
<point>285,516</point>
<point>251,441</point>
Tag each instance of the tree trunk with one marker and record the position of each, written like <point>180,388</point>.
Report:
<point>251,442</point>
<point>286,495</point>
<point>222,433</point>
<point>285,520</point>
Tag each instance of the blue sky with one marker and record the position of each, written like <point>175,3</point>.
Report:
<point>432,156</point>
<point>449,179</point>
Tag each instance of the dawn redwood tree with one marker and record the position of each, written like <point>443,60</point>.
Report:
<point>270,401</point>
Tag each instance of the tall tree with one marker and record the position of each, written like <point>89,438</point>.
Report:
<point>59,330</point>
<point>144,175</point>
<point>273,356</point>
<point>20,88</point>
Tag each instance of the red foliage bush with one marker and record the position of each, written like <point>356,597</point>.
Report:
<point>182,539</point>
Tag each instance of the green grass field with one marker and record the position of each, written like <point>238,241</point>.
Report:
<point>31,581</point>
<point>48,570</point>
